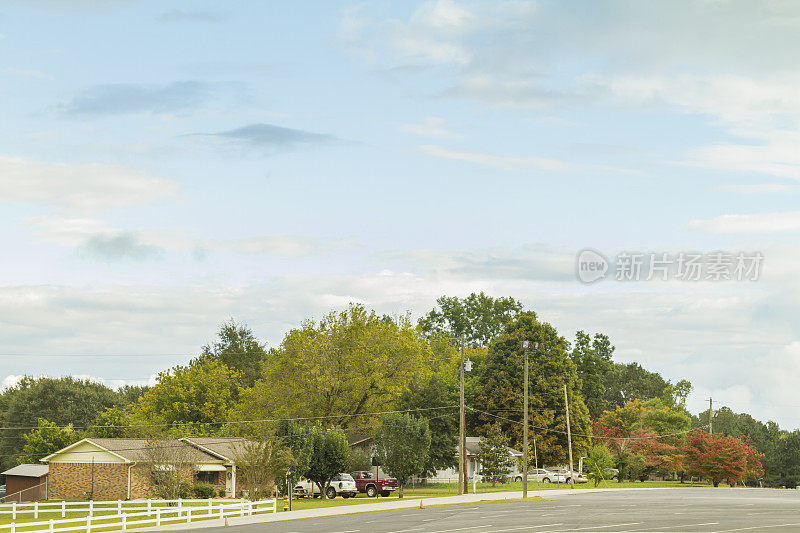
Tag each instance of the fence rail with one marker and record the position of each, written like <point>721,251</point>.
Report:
<point>136,513</point>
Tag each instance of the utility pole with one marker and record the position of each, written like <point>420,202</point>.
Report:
<point>569,440</point>
<point>463,479</point>
<point>525,345</point>
<point>710,417</point>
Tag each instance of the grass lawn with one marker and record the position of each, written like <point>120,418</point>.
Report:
<point>442,489</point>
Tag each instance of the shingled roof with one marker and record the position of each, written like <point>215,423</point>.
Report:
<point>225,448</point>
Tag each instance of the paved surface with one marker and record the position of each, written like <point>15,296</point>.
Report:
<point>690,509</point>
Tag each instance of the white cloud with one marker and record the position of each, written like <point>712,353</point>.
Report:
<point>432,127</point>
<point>758,223</point>
<point>514,162</point>
<point>760,188</point>
<point>85,187</point>
<point>505,162</point>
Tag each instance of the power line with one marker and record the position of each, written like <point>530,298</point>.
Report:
<point>656,436</point>
<point>233,422</point>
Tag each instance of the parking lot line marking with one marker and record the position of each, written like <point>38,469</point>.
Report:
<point>484,526</point>
<point>759,527</point>
<point>662,528</point>
<point>526,527</point>
<point>605,527</point>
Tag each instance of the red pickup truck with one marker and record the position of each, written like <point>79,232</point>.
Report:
<point>366,482</point>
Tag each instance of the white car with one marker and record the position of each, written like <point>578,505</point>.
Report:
<point>541,475</point>
<point>566,475</point>
<point>341,485</point>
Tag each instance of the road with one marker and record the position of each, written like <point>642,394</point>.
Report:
<point>689,509</point>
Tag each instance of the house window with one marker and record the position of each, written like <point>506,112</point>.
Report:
<point>208,477</point>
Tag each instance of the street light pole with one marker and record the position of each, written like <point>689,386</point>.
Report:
<point>525,345</point>
<point>463,486</point>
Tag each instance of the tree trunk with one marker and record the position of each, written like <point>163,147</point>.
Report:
<point>400,492</point>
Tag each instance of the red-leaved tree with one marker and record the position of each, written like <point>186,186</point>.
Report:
<point>721,458</point>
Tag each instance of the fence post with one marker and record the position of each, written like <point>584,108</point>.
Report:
<point>274,505</point>
<point>209,507</point>
<point>36,509</point>
<point>158,516</point>
<point>221,511</point>
<point>13,527</point>
<point>119,506</point>
<point>14,510</point>
<point>241,508</point>
<point>89,524</point>
<point>63,508</point>
<point>52,527</point>
<point>180,504</point>
<point>91,507</point>
<point>188,514</point>
<point>124,522</point>
<point>149,510</point>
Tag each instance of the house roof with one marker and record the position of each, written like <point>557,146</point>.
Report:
<point>473,447</point>
<point>225,448</point>
<point>144,450</point>
<point>358,438</point>
<point>28,470</point>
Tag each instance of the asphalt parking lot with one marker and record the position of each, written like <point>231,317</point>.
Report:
<point>689,509</point>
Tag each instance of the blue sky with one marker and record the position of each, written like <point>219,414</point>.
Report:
<point>165,166</point>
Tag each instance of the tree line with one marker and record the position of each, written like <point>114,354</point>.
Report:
<point>356,371</point>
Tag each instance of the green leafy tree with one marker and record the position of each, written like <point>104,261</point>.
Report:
<point>500,389</point>
<point>128,394</point>
<point>194,395</point>
<point>330,452</point>
<point>297,439</point>
<point>478,317</point>
<point>434,400</point>
<point>402,444</point>
<point>598,463</point>
<point>61,401</point>
<point>592,358</point>
<point>261,465</point>
<point>632,382</point>
<point>47,438</point>
<point>110,423</point>
<point>786,461</point>
<point>352,363</point>
<point>237,348</point>
<point>493,454</point>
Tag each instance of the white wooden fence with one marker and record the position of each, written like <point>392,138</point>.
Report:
<point>108,515</point>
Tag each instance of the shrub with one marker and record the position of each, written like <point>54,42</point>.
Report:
<point>204,490</point>
<point>221,493</point>
<point>599,463</point>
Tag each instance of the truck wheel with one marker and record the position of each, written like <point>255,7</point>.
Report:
<point>371,491</point>
<point>546,480</point>
<point>330,493</point>
<point>385,493</point>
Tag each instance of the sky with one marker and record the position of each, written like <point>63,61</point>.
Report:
<point>166,166</point>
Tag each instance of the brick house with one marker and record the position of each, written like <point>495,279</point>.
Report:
<point>120,469</point>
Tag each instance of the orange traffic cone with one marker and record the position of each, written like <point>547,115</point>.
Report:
<point>420,505</point>
<point>226,521</point>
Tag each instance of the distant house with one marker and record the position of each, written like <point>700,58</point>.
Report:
<point>473,465</point>
<point>120,469</point>
<point>362,443</point>
<point>26,483</point>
